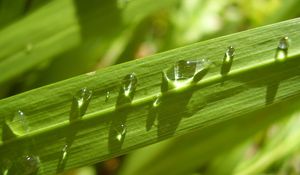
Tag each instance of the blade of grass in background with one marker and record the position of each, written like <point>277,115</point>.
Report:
<point>65,31</point>
<point>283,145</point>
<point>36,43</point>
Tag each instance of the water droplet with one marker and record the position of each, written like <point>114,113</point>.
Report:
<point>120,132</point>
<point>107,96</point>
<point>156,102</point>
<point>227,60</point>
<point>63,159</point>
<point>184,73</point>
<point>153,113</point>
<point>282,49</point>
<point>18,123</point>
<point>65,152</point>
<point>25,165</point>
<point>129,84</point>
<point>80,103</point>
<point>30,164</point>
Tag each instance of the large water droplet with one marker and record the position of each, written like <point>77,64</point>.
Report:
<point>80,103</point>
<point>227,60</point>
<point>184,73</point>
<point>282,49</point>
<point>129,84</point>
<point>25,165</point>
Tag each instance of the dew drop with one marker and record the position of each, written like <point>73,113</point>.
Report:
<point>63,159</point>
<point>30,164</point>
<point>80,103</point>
<point>153,113</point>
<point>156,102</point>
<point>18,123</point>
<point>183,73</point>
<point>227,60</point>
<point>65,152</point>
<point>282,49</point>
<point>107,96</point>
<point>120,132</point>
<point>25,165</point>
<point>129,84</point>
<point>229,54</point>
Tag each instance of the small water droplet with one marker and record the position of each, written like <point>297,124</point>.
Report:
<point>153,113</point>
<point>282,49</point>
<point>80,103</point>
<point>65,152</point>
<point>120,132</point>
<point>107,96</point>
<point>25,165</point>
<point>129,84</point>
<point>156,102</point>
<point>227,60</point>
<point>63,159</point>
<point>184,73</point>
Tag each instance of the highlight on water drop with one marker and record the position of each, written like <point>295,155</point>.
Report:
<point>184,73</point>
<point>227,60</point>
<point>282,49</point>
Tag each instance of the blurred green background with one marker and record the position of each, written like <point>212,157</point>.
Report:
<point>44,41</point>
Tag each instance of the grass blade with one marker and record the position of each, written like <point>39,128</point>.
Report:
<point>212,100</point>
